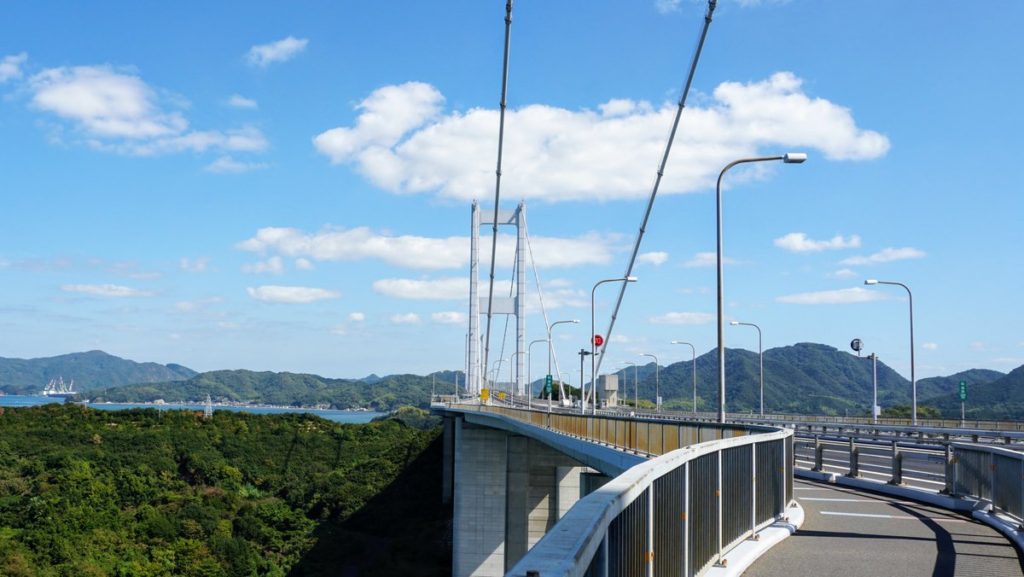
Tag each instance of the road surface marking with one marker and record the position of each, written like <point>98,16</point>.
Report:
<point>909,517</point>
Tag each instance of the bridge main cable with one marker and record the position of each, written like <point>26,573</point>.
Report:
<point>657,182</point>
<point>497,183</point>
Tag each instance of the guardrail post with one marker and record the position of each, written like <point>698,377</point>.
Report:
<point>854,459</point>
<point>718,497</point>
<point>897,465</point>
<point>686,519</point>
<point>949,469</point>
<point>819,451</point>
<point>649,553</point>
<point>753,489</point>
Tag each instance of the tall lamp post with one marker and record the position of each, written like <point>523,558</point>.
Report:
<point>593,335</point>
<point>511,378</point>
<point>636,394</point>
<point>760,357</point>
<point>529,363</point>
<point>551,349</point>
<point>788,158</point>
<point>694,349</point>
<point>657,381</point>
<point>913,379</point>
<point>583,398</point>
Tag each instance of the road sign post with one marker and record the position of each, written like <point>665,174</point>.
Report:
<point>963,397</point>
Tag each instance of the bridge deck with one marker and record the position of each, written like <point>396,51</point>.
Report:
<point>850,532</point>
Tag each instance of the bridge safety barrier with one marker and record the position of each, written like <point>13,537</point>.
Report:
<point>992,474</point>
<point>706,489</point>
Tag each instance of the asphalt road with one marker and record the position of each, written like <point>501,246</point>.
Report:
<point>848,532</point>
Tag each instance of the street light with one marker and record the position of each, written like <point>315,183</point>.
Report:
<point>657,381</point>
<point>636,395</point>
<point>788,158</point>
<point>511,380</point>
<point>583,403</point>
<point>694,349</point>
<point>760,357</point>
<point>593,345</point>
<point>913,379</point>
<point>529,363</point>
<point>551,349</point>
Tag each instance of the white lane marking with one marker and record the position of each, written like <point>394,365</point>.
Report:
<point>907,517</point>
<point>870,501</point>
<point>812,489</point>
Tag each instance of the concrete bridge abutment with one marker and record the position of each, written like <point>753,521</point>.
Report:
<point>509,490</point>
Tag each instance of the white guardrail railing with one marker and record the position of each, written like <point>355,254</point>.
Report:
<point>678,513</point>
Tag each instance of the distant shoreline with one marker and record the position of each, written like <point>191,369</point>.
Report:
<point>191,404</point>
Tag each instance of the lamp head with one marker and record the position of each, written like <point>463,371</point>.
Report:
<point>871,281</point>
<point>631,279</point>
<point>575,321</point>
<point>734,323</point>
<point>794,157</point>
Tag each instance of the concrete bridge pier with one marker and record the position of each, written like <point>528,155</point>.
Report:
<point>509,490</point>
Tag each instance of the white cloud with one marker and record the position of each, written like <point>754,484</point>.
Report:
<point>263,55</point>
<point>104,102</point>
<point>118,112</point>
<point>387,114</point>
<point>303,264</point>
<point>657,258</point>
<point>238,101</point>
<point>798,242</point>
<point>883,256</point>
<point>228,165</point>
<point>418,252</point>
<point>844,273</point>
<point>978,346</point>
<point>357,317</point>
<point>10,66</point>
<point>405,319</point>
<point>440,289</point>
<point>675,318</point>
<point>403,142</point>
<point>703,259</point>
<point>290,294</point>
<point>105,290</point>
<point>930,346</point>
<point>833,297</point>
<point>448,318</point>
<point>194,264</point>
<point>273,265</point>
<point>666,6</point>
<point>339,330</point>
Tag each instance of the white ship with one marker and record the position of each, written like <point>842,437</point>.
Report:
<point>58,388</point>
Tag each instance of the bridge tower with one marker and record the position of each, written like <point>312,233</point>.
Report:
<point>503,305</point>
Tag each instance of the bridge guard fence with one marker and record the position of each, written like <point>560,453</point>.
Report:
<point>677,514</point>
<point>992,474</point>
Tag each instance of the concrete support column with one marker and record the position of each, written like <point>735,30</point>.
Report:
<point>517,511</point>
<point>447,460</point>
<point>478,547</point>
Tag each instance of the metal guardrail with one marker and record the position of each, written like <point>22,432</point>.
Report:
<point>679,513</point>
<point>991,474</point>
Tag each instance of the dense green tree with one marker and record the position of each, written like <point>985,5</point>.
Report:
<point>143,493</point>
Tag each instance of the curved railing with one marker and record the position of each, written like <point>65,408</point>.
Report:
<point>676,514</point>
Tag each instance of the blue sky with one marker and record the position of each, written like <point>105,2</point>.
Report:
<point>287,186</point>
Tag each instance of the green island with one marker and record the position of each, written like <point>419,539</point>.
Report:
<point>142,492</point>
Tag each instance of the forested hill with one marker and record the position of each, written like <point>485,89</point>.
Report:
<point>148,493</point>
<point>89,370</point>
<point>806,378</point>
<point>288,389</point>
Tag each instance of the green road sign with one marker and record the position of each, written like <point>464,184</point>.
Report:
<point>547,384</point>
<point>963,390</point>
